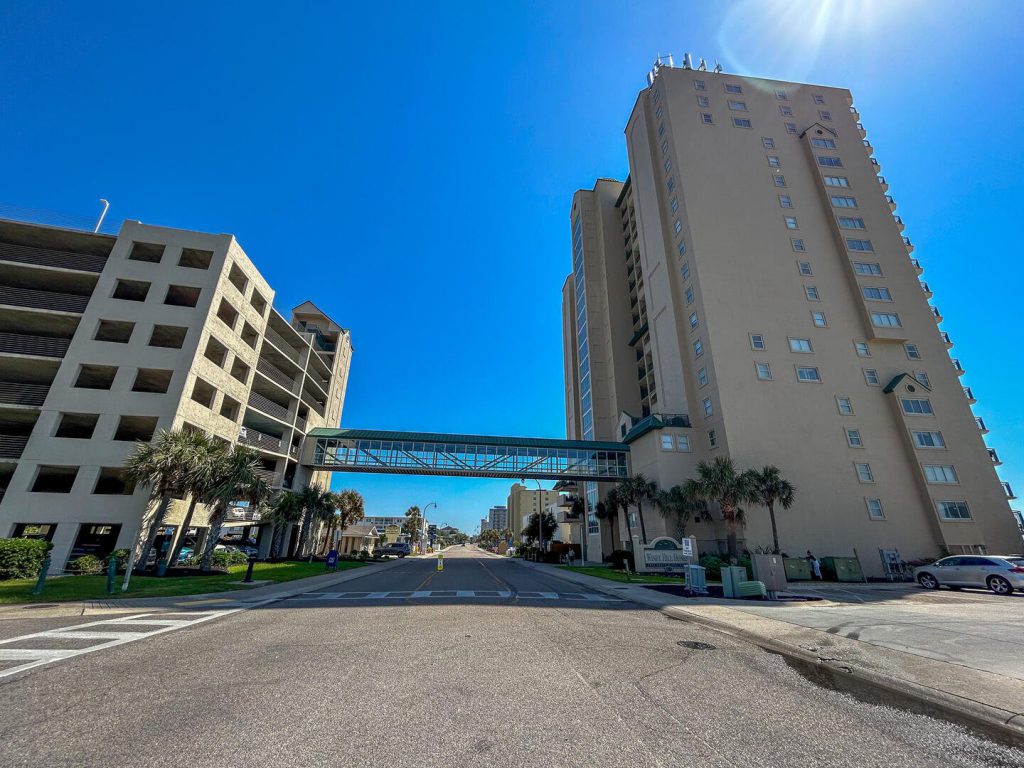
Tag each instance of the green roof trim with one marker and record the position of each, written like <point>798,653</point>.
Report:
<point>891,386</point>
<point>436,437</point>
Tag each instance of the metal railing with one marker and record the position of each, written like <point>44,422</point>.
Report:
<point>968,393</point>
<point>44,257</point>
<point>12,446</point>
<point>27,297</point>
<point>278,341</point>
<point>16,393</point>
<point>260,440</point>
<point>27,344</point>
<point>276,375</point>
<point>268,406</point>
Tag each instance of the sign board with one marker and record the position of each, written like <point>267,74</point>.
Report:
<point>664,553</point>
<point>391,533</point>
<point>332,559</point>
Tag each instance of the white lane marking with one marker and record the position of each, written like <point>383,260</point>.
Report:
<point>443,594</point>
<point>106,632</point>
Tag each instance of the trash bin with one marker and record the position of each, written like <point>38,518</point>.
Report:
<point>732,575</point>
<point>797,569</point>
<point>841,569</point>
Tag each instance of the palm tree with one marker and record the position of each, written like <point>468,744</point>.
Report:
<point>774,489</point>
<point>680,505</point>
<point>285,509</point>
<point>719,481</point>
<point>235,478</point>
<point>413,525</point>
<point>199,484</point>
<point>636,490</point>
<point>314,500</point>
<point>165,464</point>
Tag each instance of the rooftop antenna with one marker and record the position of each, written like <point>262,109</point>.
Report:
<point>99,222</point>
<point>718,67</point>
<point>687,61</point>
<point>703,65</point>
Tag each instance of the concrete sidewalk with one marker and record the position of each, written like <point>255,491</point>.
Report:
<point>942,687</point>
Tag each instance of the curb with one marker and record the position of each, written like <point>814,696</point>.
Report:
<point>1005,725</point>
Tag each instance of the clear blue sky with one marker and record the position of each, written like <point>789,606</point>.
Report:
<point>421,158</point>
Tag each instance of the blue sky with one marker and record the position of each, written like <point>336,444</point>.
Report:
<point>421,159</point>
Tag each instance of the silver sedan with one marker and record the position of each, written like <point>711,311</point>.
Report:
<point>1000,573</point>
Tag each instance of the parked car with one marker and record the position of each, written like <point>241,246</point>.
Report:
<point>400,548</point>
<point>1000,573</point>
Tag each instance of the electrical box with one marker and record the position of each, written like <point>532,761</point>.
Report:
<point>696,580</point>
<point>770,571</point>
<point>732,575</point>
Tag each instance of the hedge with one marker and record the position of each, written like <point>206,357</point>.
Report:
<point>21,558</point>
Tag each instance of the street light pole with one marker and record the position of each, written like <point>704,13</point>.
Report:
<point>540,518</point>
<point>423,523</point>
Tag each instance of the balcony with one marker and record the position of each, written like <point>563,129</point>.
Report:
<point>969,395</point>
<point>947,340</point>
<point>1009,490</point>
<point>876,165</point>
<point>862,130</point>
<point>277,376</point>
<point>957,367</point>
<point>244,514</point>
<point>926,289</point>
<point>32,299</point>
<point>917,266</point>
<point>44,257</point>
<point>855,113</point>
<point>283,346</point>
<point>908,244</point>
<point>899,223</point>
<point>257,439</point>
<point>267,406</point>
<point>892,202</point>
<point>868,147</point>
<point>884,183</point>
<point>936,314</point>
<point>35,346</point>
<point>994,456</point>
<point>273,479</point>
<point>15,393</point>
<point>981,424</point>
<point>12,446</point>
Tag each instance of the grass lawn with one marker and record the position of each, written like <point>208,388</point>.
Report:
<point>95,587</point>
<point>608,573</point>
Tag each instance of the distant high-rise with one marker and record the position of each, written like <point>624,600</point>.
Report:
<point>748,292</point>
<point>498,518</point>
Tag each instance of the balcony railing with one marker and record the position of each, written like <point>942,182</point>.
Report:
<point>969,394</point>
<point>275,374</point>
<point>948,341</point>
<point>27,297</point>
<point>891,201</point>
<point>1009,490</point>
<point>906,242</point>
<point>927,290</point>
<point>312,402</point>
<point>981,423</point>
<point>12,446</point>
<point>917,265</point>
<point>957,366</point>
<point>26,344</point>
<point>16,393</point>
<point>258,439</point>
<point>994,456</point>
<point>936,314</point>
<point>278,341</point>
<point>268,406</point>
<point>44,257</point>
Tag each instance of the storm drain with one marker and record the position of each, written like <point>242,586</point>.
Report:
<point>696,645</point>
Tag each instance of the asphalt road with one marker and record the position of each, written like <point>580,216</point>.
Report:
<point>487,663</point>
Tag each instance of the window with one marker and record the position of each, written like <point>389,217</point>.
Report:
<point>842,201</point>
<point>779,180</point>
<point>193,258</point>
<point>825,115</point>
<point>682,443</point>
<point>661,129</point>
<point>227,313</point>
<point>689,295</point>
<point>704,101</point>
<point>671,183</point>
<point>837,181</point>
<point>929,440</point>
<point>742,122</point>
<point>114,331</point>
<point>182,296</point>
<point>804,268</point>
<point>863,350</point>
<point>786,111</point>
<point>132,428</point>
<point>829,162</point>
<point>658,112</point>
<point>112,482</point>
<point>791,222</point>
<point>131,290</point>
<point>923,377</point>
<point>876,294</point>
<point>668,165</point>
<point>238,279</point>
<point>790,127</point>
<point>916,406</point>
<point>757,341</point>
<point>152,380</point>
<point>845,406</point>
<point>702,376</point>
<point>812,293</point>
<point>942,474</point>
<point>148,252</point>
<point>819,99</point>
<point>730,88</point>
<point>875,511</point>
<point>674,204</point>
<point>657,94</point>
<point>864,472</point>
<point>798,244</point>
<point>79,426</point>
<point>886,320</point>
<point>912,351</point>
<point>807,373</point>
<point>706,118</point>
<point>686,270</point>
<point>240,371</point>
<point>853,438</point>
<point>203,393</point>
<point>699,85</point>
<point>737,106</point>
<point>868,268</point>
<point>693,320</point>
<point>819,320</point>
<point>785,201</point>
<point>851,222</point>
<point>871,377</point>
<point>823,143</point>
<point>781,95</point>
<point>664,146</point>
<point>712,439</point>
<point>859,245</point>
<point>216,352</point>
<point>229,408</point>
<point>50,479</point>
<point>767,143</point>
<point>954,510</point>
<point>698,348</point>
<point>677,226</point>
<point>681,247</point>
<point>773,161</point>
<point>667,443</point>
<point>708,408</point>
<point>96,376</point>
<point>168,336</point>
<point>764,371</point>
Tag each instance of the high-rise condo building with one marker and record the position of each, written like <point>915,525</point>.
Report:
<point>498,518</point>
<point>748,291</point>
<point>105,340</point>
<point>524,502</point>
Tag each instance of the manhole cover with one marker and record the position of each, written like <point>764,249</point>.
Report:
<point>696,645</point>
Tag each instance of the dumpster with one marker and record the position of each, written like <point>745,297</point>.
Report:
<point>841,569</point>
<point>797,569</point>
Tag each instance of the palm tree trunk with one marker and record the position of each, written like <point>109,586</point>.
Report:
<point>730,526</point>
<point>158,520</point>
<point>179,540</point>
<point>307,522</point>
<point>643,528</point>
<point>216,524</point>
<point>275,542</point>
<point>775,530</point>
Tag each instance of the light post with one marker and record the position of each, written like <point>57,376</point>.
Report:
<point>423,524</point>
<point>540,518</point>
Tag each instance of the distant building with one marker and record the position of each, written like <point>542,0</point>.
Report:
<point>498,517</point>
<point>485,524</point>
<point>523,502</point>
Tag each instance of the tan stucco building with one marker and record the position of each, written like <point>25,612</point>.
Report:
<point>748,291</point>
<point>522,503</point>
<point>104,340</point>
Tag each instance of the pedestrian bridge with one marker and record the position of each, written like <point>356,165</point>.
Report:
<point>425,453</point>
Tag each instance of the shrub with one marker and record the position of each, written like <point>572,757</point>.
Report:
<point>713,567</point>
<point>121,555</point>
<point>21,558</point>
<point>619,558</point>
<point>221,559</point>
<point>84,565</point>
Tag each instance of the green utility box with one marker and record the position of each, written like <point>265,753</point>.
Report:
<point>841,569</point>
<point>797,569</point>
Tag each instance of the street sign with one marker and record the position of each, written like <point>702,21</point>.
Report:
<point>687,547</point>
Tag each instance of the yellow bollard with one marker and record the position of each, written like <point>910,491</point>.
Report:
<point>440,561</point>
